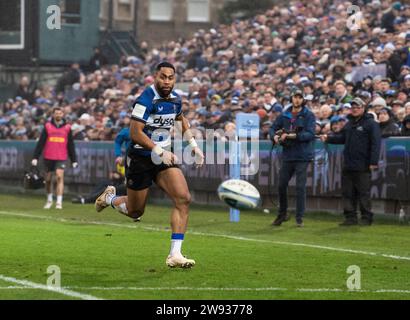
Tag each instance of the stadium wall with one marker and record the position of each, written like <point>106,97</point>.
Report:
<point>74,41</point>
<point>26,55</point>
<point>390,184</point>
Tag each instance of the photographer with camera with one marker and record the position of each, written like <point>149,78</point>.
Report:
<point>294,130</point>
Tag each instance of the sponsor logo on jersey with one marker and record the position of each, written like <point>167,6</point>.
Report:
<point>160,121</point>
<point>56,139</point>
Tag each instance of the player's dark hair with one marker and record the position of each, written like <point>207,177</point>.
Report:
<point>164,64</point>
<point>57,109</point>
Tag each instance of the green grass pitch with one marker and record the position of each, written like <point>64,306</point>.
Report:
<point>107,256</point>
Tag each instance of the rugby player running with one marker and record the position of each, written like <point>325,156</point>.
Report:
<point>149,159</point>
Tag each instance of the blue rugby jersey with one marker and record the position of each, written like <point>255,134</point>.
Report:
<point>159,115</point>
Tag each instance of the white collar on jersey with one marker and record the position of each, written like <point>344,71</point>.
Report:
<point>157,96</point>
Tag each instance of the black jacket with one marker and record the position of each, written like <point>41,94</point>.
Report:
<point>389,129</point>
<point>404,131</point>
<point>394,64</point>
<point>362,140</point>
<point>388,21</point>
<point>26,93</point>
<point>97,61</point>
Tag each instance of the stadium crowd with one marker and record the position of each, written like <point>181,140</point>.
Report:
<point>247,66</point>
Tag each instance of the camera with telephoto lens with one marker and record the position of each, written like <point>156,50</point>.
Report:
<point>289,139</point>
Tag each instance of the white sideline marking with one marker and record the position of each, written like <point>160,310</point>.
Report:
<point>32,285</point>
<point>238,289</point>
<point>390,256</point>
<point>220,289</point>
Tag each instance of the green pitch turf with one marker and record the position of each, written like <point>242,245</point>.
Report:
<point>108,256</point>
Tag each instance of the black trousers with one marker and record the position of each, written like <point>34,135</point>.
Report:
<point>287,170</point>
<point>356,191</point>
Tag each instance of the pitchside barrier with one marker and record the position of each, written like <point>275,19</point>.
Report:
<point>390,183</point>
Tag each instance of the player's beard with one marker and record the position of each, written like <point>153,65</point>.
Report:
<point>164,93</point>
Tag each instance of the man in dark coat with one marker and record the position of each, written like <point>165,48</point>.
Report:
<point>362,140</point>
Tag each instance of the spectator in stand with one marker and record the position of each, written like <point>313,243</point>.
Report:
<point>407,109</point>
<point>335,124</point>
<point>25,90</point>
<point>251,62</point>
<point>392,61</point>
<point>71,76</point>
<point>98,60</point>
<point>377,104</point>
<point>264,133</point>
<point>326,113</point>
<point>388,127</point>
<point>405,129</point>
<point>389,16</point>
<point>406,84</point>
<point>396,106</point>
